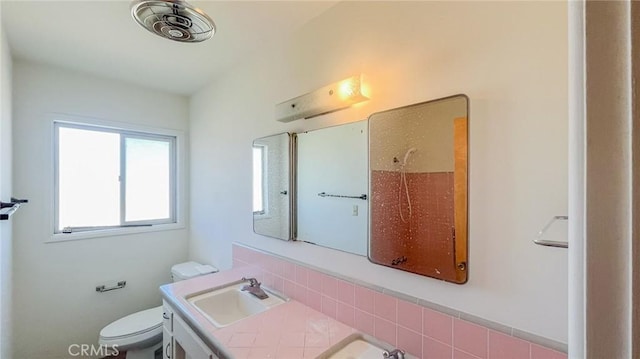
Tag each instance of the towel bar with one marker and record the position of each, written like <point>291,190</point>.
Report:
<point>9,208</point>
<point>324,194</point>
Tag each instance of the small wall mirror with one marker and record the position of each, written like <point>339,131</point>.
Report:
<point>418,158</point>
<point>272,194</point>
<point>332,187</point>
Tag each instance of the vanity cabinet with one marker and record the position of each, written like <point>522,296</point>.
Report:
<point>167,331</point>
<point>179,340</point>
<point>187,345</point>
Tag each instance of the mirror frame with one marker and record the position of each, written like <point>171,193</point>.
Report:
<point>461,194</point>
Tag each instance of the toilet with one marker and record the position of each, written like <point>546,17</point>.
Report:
<point>140,334</point>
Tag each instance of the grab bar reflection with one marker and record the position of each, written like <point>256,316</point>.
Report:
<point>324,194</point>
<point>543,242</point>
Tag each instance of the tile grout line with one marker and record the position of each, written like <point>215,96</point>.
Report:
<point>488,348</point>
<point>453,337</point>
<point>397,325</point>
<point>422,330</point>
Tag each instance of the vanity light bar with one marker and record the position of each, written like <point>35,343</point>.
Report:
<point>336,96</point>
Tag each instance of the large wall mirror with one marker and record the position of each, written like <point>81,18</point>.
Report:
<point>393,187</point>
<point>418,158</point>
<point>332,187</point>
<point>272,190</point>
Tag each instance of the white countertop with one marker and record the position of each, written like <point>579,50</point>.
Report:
<point>289,330</point>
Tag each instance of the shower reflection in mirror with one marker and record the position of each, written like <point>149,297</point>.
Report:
<point>404,193</point>
<point>418,187</point>
<point>271,186</point>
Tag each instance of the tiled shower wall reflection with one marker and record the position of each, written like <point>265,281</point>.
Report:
<point>425,232</point>
<point>421,331</point>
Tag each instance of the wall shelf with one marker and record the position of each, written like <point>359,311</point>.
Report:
<point>539,240</point>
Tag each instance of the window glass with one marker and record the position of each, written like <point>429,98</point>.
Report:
<point>258,178</point>
<point>148,185</point>
<point>89,190</point>
<point>113,178</point>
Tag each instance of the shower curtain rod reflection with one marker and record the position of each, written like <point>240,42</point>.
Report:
<point>324,194</point>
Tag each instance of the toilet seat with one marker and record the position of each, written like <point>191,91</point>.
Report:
<point>135,330</point>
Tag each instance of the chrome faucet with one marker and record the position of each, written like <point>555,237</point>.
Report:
<point>395,353</point>
<point>254,288</point>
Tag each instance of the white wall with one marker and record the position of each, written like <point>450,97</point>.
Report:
<point>5,195</point>
<point>510,58</point>
<point>54,283</point>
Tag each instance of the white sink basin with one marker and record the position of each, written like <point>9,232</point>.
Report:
<point>355,346</point>
<point>229,304</point>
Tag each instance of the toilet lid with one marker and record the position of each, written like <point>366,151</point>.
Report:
<point>133,324</point>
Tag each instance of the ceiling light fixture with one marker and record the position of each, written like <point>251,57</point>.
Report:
<point>173,19</point>
<point>330,98</point>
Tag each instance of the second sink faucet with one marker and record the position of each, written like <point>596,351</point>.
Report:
<point>395,353</point>
<point>254,288</point>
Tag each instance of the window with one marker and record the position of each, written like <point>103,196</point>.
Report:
<point>259,179</point>
<point>109,178</point>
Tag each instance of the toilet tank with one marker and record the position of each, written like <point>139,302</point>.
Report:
<point>188,270</point>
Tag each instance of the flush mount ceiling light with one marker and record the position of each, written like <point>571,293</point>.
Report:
<point>330,98</point>
<point>173,19</point>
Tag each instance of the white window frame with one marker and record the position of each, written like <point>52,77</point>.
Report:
<point>176,220</point>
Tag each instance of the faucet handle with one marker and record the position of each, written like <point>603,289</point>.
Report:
<point>252,282</point>
<point>395,354</point>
